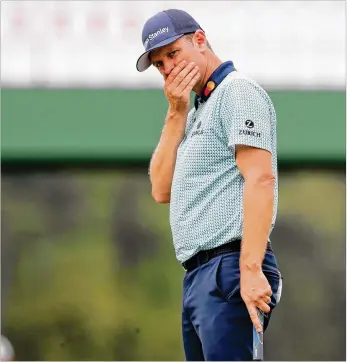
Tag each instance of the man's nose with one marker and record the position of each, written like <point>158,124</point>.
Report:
<point>168,66</point>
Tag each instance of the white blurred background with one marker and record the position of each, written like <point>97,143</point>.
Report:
<point>85,44</point>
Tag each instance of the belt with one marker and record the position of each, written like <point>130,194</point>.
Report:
<point>203,256</point>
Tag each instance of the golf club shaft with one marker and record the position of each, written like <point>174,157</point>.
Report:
<point>258,340</point>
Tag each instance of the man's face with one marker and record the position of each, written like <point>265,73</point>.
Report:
<point>166,58</point>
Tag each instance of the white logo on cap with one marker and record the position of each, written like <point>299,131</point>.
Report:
<point>154,35</point>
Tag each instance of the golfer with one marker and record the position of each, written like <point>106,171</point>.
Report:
<point>216,164</point>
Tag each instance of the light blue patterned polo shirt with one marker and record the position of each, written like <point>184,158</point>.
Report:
<point>206,206</point>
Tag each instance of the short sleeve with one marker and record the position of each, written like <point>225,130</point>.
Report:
<point>246,116</point>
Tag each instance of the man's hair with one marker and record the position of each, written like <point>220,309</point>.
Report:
<point>190,36</point>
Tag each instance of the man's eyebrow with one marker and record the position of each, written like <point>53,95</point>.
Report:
<point>167,53</point>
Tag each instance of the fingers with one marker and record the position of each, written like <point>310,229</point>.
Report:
<point>193,81</point>
<point>189,81</point>
<point>178,91</point>
<point>263,293</point>
<point>263,306</point>
<point>256,293</point>
<point>257,301</point>
<point>179,73</point>
<point>267,299</point>
<point>175,71</point>
<point>253,313</point>
<point>263,300</point>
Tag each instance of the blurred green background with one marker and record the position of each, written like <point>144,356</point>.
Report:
<point>125,125</point>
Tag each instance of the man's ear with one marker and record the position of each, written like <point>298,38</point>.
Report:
<point>200,39</point>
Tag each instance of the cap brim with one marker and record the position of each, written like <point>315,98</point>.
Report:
<point>144,62</point>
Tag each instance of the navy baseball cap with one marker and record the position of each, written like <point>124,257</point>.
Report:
<point>162,29</point>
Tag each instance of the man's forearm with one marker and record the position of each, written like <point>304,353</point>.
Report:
<point>258,204</point>
<point>163,161</point>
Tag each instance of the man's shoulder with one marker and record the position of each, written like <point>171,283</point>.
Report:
<point>238,85</point>
<point>239,81</point>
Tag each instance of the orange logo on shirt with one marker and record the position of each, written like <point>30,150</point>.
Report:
<point>209,87</point>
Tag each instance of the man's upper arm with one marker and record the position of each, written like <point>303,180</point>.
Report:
<point>246,116</point>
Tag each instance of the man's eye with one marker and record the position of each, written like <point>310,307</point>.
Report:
<point>171,54</point>
<point>158,65</point>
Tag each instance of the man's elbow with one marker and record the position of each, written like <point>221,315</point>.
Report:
<point>264,179</point>
<point>260,179</point>
<point>161,198</point>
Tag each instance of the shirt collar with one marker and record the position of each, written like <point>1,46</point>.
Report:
<point>212,83</point>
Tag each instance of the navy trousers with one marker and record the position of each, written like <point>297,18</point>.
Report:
<point>215,322</point>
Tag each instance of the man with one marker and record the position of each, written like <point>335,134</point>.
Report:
<point>216,165</point>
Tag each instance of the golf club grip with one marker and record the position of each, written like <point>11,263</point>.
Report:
<point>258,340</point>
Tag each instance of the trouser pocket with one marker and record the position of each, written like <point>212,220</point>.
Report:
<point>227,276</point>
